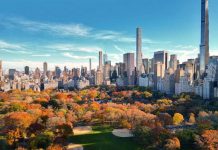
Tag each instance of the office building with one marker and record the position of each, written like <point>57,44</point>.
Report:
<point>11,74</point>
<point>128,60</point>
<point>37,73</point>
<point>27,70</point>
<point>107,71</point>
<point>98,77</point>
<point>161,56</point>
<point>146,64</point>
<point>105,58</point>
<point>57,72</point>
<point>173,62</point>
<point>45,68</point>
<point>84,71</point>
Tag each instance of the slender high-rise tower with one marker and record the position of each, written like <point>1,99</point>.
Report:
<point>90,65</point>
<point>100,61</point>
<point>139,50</point>
<point>1,68</point>
<point>204,46</point>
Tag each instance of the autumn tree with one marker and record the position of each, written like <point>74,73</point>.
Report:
<point>208,140</point>
<point>20,120</point>
<point>13,136</point>
<point>177,119</point>
<point>41,141</point>
<point>192,118</point>
<point>172,144</point>
<point>147,94</point>
<point>92,94</point>
<point>165,119</point>
<point>4,96</point>
<point>64,130</point>
<point>55,147</point>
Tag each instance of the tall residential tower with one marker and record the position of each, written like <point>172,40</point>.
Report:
<point>139,66</point>
<point>204,46</point>
<point>90,65</point>
<point>100,66</point>
<point>1,68</point>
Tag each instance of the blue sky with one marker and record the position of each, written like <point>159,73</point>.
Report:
<point>68,32</point>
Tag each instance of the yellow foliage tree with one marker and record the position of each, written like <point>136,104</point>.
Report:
<point>177,118</point>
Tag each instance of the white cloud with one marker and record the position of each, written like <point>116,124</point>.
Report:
<point>71,29</point>
<point>214,52</point>
<point>56,28</point>
<point>6,45</point>
<point>41,55</point>
<point>70,55</point>
<point>106,35</point>
<point>13,48</point>
<point>119,37</point>
<point>74,48</point>
<point>119,49</point>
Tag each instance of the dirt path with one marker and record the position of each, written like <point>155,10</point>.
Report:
<point>122,133</point>
<point>82,130</point>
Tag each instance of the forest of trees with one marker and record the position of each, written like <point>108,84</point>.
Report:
<point>31,120</point>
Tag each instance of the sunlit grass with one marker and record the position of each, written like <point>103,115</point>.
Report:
<point>102,139</point>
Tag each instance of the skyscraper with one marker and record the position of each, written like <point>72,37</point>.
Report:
<point>27,70</point>
<point>204,46</point>
<point>45,68</point>
<point>0,68</point>
<point>100,61</point>
<point>173,62</point>
<point>139,50</point>
<point>161,56</point>
<point>98,77</point>
<point>128,60</point>
<point>107,71</point>
<point>11,74</point>
<point>159,70</point>
<point>90,65</point>
<point>105,58</point>
<point>145,62</point>
<point>57,72</point>
<point>84,71</point>
<point>37,73</point>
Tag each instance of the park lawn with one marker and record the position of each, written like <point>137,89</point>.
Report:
<point>102,139</point>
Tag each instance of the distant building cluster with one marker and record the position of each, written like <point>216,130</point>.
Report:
<point>163,72</point>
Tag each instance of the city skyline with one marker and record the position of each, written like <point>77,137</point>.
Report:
<point>26,38</point>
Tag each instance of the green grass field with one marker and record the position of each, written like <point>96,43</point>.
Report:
<point>102,139</point>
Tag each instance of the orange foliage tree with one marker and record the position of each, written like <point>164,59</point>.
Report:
<point>208,140</point>
<point>21,120</point>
